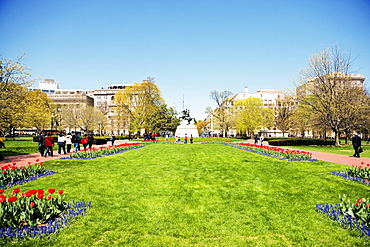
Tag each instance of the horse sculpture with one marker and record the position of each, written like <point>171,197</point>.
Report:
<point>186,116</point>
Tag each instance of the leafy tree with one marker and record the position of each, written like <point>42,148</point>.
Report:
<point>327,90</point>
<point>38,109</point>
<point>202,126</point>
<point>13,76</point>
<point>164,119</point>
<point>223,113</point>
<point>139,102</point>
<point>302,120</point>
<point>251,115</point>
<point>12,109</point>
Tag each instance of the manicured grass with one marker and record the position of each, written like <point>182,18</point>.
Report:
<point>199,195</point>
<point>343,150</point>
<point>18,146</point>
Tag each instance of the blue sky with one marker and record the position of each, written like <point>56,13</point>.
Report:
<point>190,47</point>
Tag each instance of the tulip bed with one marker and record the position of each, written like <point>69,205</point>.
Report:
<point>276,152</point>
<point>95,152</point>
<point>31,208</point>
<point>12,175</point>
<point>356,173</point>
<point>355,216</point>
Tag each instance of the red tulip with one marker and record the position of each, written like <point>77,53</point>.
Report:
<point>359,200</point>
<point>60,192</point>
<point>32,204</point>
<point>2,190</point>
<point>40,195</point>
<point>16,191</point>
<point>40,191</point>
<point>48,197</point>
<point>51,191</point>
<point>12,198</point>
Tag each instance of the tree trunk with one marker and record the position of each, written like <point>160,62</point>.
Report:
<point>337,142</point>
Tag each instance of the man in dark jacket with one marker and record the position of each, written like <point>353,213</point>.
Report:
<point>41,143</point>
<point>356,143</point>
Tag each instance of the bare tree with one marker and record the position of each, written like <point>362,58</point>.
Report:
<point>327,89</point>
<point>223,113</point>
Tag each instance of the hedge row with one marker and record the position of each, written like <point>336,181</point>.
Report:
<point>301,142</point>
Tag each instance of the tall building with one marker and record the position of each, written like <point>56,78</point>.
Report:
<point>103,99</point>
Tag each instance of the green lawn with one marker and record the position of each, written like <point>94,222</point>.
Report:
<point>18,146</point>
<point>199,195</point>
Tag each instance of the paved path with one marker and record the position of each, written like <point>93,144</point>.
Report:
<point>22,160</point>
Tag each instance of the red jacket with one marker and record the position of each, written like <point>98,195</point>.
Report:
<point>49,141</point>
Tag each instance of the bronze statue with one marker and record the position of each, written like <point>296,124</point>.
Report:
<point>186,116</point>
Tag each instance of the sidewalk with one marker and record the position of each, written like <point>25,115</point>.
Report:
<point>22,160</point>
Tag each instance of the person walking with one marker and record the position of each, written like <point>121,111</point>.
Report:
<point>84,141</point>
<point>356,143</point>
<point>261,140</point>
<point>186,139</point>
<point>90,140</point>
<point>255,140</point>
<point>49,143</point>
<point>76,142</point>
<point>69,142</point>
<point>61,143</point>
<point>191,138</point>
<point>112,138</point>
<point>41,143</point>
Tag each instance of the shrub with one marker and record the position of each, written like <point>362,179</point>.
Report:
<point>301,142</point>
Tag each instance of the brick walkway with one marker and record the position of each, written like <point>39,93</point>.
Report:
<point>23,159</point>
<point>334,158</point>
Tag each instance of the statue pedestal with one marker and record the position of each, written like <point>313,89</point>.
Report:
<point>188,129</point>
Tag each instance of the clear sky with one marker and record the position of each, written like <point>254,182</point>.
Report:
<point>190,47</point>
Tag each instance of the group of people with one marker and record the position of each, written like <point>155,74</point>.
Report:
<point>260,139</point>
<point>178,139</point>
<point>150,136</point>
<point>65,142</point>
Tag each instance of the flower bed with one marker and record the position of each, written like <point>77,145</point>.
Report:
<point>34,213</point>
<point>276,152</point>
<point>355,216</point>
<point>12,175</point>
<point>96,152</point>
<point>356,173</point>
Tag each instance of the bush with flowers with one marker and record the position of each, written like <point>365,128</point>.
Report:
<point>95,152</point>
<point>11,174</point>
<point>34,213</point>
<point>348,214</point>
<point>277,152</point>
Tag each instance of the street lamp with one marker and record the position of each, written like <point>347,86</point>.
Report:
<point>99,128</point>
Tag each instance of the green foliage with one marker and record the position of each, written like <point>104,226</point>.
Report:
<point>359,210</point>
<point>360,172</point>
<point>300,142</point>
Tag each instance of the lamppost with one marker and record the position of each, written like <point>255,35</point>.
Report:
<point>99,128</point>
